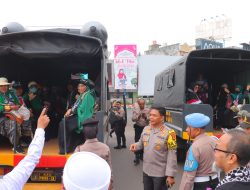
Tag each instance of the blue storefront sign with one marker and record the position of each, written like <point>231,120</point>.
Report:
<point>207,44</point>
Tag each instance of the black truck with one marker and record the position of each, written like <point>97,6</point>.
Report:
<point>218,66</point>
<point>51,57</point>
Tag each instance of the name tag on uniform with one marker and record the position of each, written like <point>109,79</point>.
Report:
<point>191,164</point>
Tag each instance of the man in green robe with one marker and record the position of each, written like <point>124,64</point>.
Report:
<point>9,103</point>
<point>82,109</point>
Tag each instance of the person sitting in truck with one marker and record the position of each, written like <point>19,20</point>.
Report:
<point>246,94</point>
<point>82,109</point>
<point>34,103</point>
<point>223,108</point>
<point>71,94</point>
<point>9,104</point>
<point>237,96</point>
<point>16,179</point>
<point>26,133</point>
<point>192,94</point>
<point>200,80</point>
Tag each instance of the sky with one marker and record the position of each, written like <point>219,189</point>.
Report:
<point>132,21</point>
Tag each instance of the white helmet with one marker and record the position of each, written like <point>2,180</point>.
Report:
<point>86,171</point>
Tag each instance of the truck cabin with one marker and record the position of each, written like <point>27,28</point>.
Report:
<point>51,59</point>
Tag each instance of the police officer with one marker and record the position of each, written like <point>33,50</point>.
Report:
<point>241,115</point>
<point>159,144</point>
<point>90,130</point>
<point>198,174</point>
<point>140,117</point>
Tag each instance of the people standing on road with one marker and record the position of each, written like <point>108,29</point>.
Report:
<point>16,179</point>
<point>112,117</point>
<point>245,125</point>
<point>241,115</point>
<point>232,153</point>
<point>245,122</point>
<point>140,117</point>
<point>198,174</point>
<point>90,130</point>
<point>82,109</point>
<point>159,144</point>
<point>119,125</point>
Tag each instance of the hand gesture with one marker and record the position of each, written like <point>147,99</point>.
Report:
<point>43,120</point>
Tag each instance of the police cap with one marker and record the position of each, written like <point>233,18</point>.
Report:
<point>197,120</point>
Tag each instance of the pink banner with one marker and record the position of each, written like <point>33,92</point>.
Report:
<point>125,67</point>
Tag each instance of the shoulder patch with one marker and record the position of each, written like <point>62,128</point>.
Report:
<point>191,164</point>
<point>171,142</point>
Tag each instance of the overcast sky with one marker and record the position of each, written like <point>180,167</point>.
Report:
<point>132,21</point>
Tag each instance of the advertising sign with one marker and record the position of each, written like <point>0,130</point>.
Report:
<point>125,67</point>
<point>207,44</point>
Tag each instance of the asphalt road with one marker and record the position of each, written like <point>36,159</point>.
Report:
<point>126,175</point>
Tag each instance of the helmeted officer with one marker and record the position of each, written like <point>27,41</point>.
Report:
<point>198,174</point>
<point>159,159</point>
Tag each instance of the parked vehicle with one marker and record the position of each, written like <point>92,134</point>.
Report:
<point>217,66</point>
<point>51,57</point>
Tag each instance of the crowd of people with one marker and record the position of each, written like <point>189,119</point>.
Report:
<point>90,167</point>
<point>21,106</point>
<point>226,105</point>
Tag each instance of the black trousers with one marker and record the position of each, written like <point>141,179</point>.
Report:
<point>120,133</point>
<point>154,183</point>
<point>73,139</point>
<point>138,132</point>
<point>204,185</point>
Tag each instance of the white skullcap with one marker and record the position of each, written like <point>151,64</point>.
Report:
<point>86,171</point>
<point>31,83</point>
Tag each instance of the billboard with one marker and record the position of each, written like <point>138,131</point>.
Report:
<point>125,67</point>
<point>207,44</point>
<point>217,28</point>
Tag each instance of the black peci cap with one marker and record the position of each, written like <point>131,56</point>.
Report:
<point>90,122</point>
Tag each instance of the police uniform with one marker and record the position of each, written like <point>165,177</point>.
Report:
<point>198,174</point>
<point>159,158</point>
<point>245,125</point>
<point>94,146</point>
<point>140,122</point>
